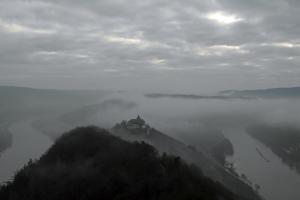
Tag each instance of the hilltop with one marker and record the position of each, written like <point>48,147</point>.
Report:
<point>138,130</point>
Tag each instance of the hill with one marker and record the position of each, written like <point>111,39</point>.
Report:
<point>138,130</point>
<point>293,92</point>
<point>18,103</point>
<point>30,98</point>
<point>193,96</point>
<point>90,163</point>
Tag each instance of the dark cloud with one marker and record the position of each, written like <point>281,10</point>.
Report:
<point>154,45</point>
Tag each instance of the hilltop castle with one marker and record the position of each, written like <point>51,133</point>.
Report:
<point>137,125</point>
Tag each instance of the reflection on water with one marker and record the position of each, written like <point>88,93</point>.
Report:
<point>263,167</point>
<point>27,144</point>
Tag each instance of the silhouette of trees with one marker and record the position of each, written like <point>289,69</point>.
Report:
<point>89,163</point>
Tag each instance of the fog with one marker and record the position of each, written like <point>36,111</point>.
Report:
<point>215,82</point>
<point>37,118</point>
<point>195,121</point>
<point>192,114</point>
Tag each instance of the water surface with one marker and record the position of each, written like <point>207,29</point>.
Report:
<point>27,143</point>
<point>263,167</point>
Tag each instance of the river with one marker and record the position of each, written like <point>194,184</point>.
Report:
<point>262,167</point>
<point>252,158</point>
<point>27,144</point>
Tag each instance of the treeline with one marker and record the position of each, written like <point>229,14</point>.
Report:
<point>89,163</point>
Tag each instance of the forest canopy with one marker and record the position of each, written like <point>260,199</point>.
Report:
<point>89,163</point>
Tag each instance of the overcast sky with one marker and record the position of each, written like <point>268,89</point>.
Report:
<point>172,45</point>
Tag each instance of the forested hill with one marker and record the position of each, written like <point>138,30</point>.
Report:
<point>166,144</point>
<point>89,163</point>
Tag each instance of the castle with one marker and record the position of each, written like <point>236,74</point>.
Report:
<point>136,125</point>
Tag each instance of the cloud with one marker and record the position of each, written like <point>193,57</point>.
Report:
<point>223,18</point>
<point>18,28</point>
<point>122,40</point>
<point>281,45</point>
<point>119,43</point>
<point>142,43</point>
<point>157,61</point>
<point>220,50</point>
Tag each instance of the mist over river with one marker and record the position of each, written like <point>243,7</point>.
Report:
<point>27,144</point>
<point>182,119</point>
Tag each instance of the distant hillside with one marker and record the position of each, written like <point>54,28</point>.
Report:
<point>89,163</point>
<point>293,92</point>
<point>20,96</point>
<point>17,103</point>
<point>192,96</point>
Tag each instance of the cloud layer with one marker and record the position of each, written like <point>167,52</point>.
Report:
<point>151,44</point>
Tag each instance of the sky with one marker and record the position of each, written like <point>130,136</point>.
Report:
<point>150,45</point>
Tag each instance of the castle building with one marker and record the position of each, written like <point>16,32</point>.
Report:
<point>138,124</point>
